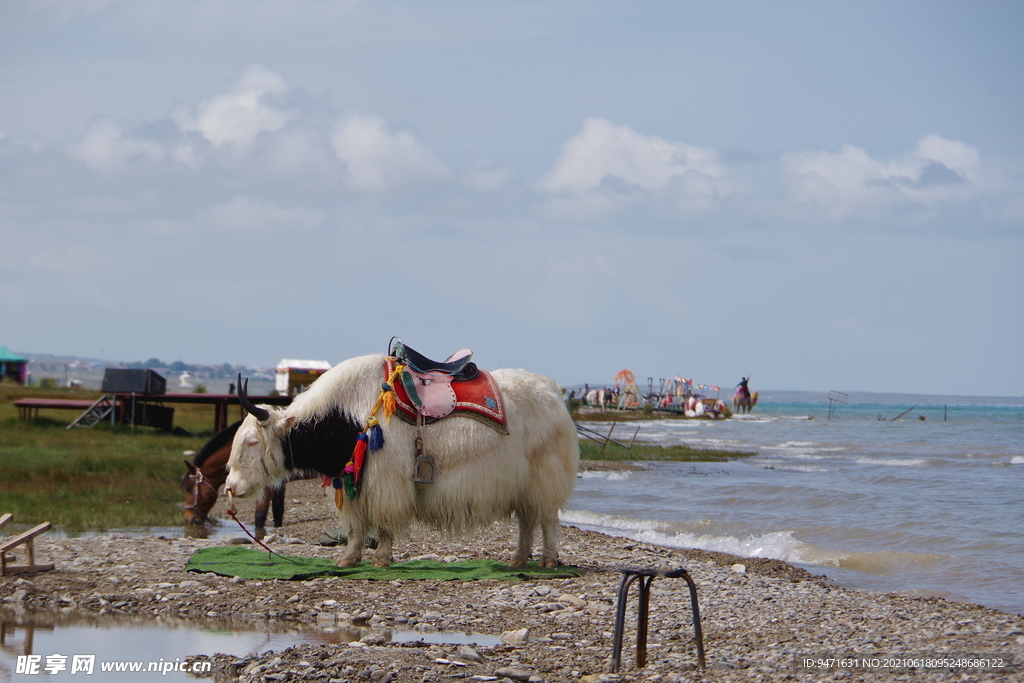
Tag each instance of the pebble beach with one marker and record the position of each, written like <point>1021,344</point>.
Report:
<point>762,619</point>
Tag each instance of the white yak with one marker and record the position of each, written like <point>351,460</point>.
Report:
<point>481,475</point>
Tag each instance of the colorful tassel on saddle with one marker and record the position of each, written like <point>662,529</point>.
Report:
<point>369,440</point>
<point>359,456</point>
<point>354,468</point>
<point>387,393</point>
<point>375,435</point>
<point>348,481</point>
<point>339,495</point>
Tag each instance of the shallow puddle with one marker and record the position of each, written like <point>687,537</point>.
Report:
<point>150,649</point>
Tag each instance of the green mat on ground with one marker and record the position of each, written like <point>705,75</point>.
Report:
<point>250,563</point>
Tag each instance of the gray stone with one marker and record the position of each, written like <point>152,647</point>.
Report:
<point>515,637</point>
<point>466,652</point>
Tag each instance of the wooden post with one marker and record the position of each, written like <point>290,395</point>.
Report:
<point>220,415</point>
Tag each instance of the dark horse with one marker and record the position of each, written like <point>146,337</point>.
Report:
<point>207,473</point>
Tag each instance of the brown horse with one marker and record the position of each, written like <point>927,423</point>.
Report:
<point>741,404</point>
<point>207,473</point>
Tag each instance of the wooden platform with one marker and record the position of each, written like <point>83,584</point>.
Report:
<point>26,538</point>
<point>29,407</point>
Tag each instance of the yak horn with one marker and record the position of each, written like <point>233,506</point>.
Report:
<point>260,414</point>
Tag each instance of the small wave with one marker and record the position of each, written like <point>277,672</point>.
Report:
<point>608,476</point>
<point>791,466</point>
<point>804,447</point>
<point>1017,460</point>
<point>911,462</point>
<point>802,468</point>
<point>778,545</point>
<point>806,450</point>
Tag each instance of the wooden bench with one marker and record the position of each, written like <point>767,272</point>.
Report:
<point>29,407</point>
<point>26,538</point>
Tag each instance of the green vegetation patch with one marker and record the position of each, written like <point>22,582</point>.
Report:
<point>590,450</point>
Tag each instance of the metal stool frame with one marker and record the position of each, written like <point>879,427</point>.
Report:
<point>646,577</point>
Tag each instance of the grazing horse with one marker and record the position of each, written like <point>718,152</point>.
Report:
<point>483,474</point>
<point>207,473</point>
<point>741,404</point>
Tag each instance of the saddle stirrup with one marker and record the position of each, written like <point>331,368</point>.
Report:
<point>423,468</point>
<point>423,465</point>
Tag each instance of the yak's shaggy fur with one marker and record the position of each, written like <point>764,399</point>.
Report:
<point>480,474</point>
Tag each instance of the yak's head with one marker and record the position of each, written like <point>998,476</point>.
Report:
<point>257,454</point>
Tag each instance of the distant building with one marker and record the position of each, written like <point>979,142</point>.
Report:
<point>13,366</point>
<point>294,376</point>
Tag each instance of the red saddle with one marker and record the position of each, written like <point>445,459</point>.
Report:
<point>440,395</point>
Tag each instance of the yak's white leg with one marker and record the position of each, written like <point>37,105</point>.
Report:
<point>552,530</point>
<point>356,541</point>
<point>382,556</point>
<point>526,525</point>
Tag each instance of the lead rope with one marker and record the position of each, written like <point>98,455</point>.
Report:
<point>231,513</point>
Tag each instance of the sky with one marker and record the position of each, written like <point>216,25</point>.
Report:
<point>821,196</point>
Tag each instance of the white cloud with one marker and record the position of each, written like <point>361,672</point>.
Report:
<point>105,148</point>
<point>236,118</point>
<point>301,156</point>
<point>247,214</point>
<point>938,171</point>
<point>379,159</point>
<point>603,165</point>
<point>187,155</point>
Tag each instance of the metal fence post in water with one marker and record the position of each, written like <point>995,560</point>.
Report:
<point>646,577</point>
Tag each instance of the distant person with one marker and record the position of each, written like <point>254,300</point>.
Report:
<point>744,389</point>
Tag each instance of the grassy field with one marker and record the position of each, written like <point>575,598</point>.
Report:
<point>99,478</point>
<point>127,477</point>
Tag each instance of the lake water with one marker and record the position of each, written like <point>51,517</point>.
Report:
<point>932,507</point>
<point>159,649</point>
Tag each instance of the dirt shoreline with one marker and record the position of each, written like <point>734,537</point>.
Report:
<point>760,617</point>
